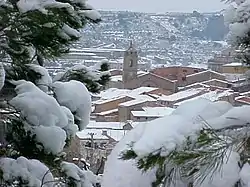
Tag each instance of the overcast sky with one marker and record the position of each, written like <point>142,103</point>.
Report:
<point>159,5</point>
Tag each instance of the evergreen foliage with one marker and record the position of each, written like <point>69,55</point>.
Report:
<point>31,36</point>
<point>95,80</point>
<point>198,159</point>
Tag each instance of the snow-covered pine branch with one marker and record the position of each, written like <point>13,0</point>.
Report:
<point>96,77</point>
<point>40,126</point>
<point>23,172</point>
<point>195,144</point>
<point>237,17</point>
<point>37,25</point>
<point>75,96</point>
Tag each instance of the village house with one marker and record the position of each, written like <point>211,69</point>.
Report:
<point>235,68</point>
<point>225,57</point>
<point>170,100</point>
<point>201,77</point>
<point>175,72</point>
<point>216,95</point>
<point>124,109</point>
<point>114,101</point>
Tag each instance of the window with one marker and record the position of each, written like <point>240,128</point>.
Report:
<point>131,63</point>
<point>183,78</point>
<point>196,71</point>
<point>185,71</point>
<point>88,144</point>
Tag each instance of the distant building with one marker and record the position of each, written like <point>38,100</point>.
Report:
<point>178,73</point>
<point>235,68</point>
<point>227,56</point>
<point>200,77</point>
<point>121,102</point>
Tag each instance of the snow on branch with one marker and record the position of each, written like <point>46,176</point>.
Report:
<point>237,16</point>
<point>27,172</point>
<point>41,5</point>
<point>93,77</point>
<point>78,177</point>
<point>45,81</point>
<point>43,115</point>
<point>75,96</point>
<point>203,142</point>
<point>31,172</point>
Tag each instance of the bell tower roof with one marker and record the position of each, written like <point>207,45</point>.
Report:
<point>131,47</point>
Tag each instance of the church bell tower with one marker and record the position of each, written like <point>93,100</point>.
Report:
<point>130,64</point>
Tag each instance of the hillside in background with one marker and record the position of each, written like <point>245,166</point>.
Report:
<point>175,38</point>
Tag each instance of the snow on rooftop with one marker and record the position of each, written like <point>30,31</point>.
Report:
<point>200,66</point>
<point>153,112</point>
<point>102,101</point>
<point>108,112</point>
<point>202,72</point>
<point>233,64</point>
<point>196,84</point>
<point>212,96</point>
<point>138,100</point>
<point>243,99</point>
<point>182,94</point>
<point>217,80</point>
<point>115,93</point>
<point>142,90</point>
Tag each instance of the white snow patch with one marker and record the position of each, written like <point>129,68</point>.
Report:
<point>75,96</point>
<point>91,14</point>
<point>53,138</point>
<point>36,106</point>
<point>91,72</point>
<point>165,134</point>
<point>32,171</point>
<point>41,5</point>
<point>44,116</point>
<point>45,81</point>
<point>82,177</point>
<point>120,173</point>
<point>70,31</point>
<point>71,128</point>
